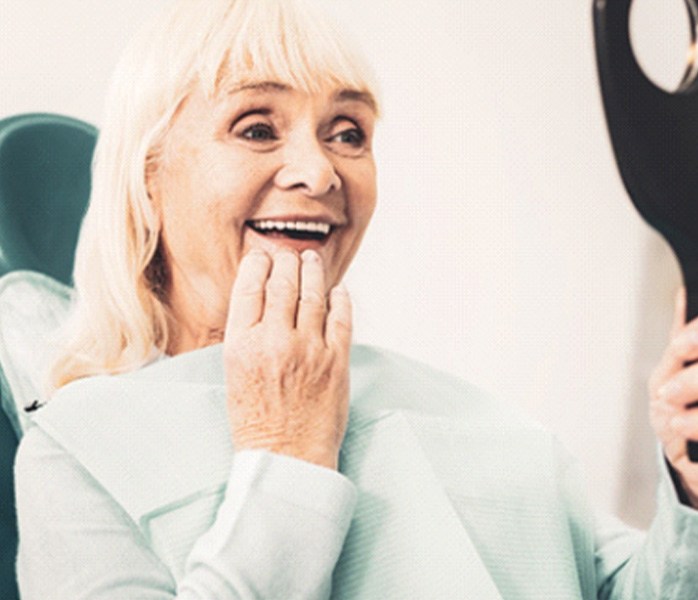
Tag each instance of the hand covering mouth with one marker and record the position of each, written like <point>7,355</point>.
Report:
<point>295,230</point>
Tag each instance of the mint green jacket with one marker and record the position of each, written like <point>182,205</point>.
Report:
<point>128,487</point>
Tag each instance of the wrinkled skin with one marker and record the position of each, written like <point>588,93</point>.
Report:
<point>268,152</point>
<point>287,358</point>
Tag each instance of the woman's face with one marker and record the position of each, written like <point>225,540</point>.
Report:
<point>264,166</point>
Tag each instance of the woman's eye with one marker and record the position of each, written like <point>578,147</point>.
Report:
<point>259,132</point>
<point>354,137</point>
<point>348,137</point>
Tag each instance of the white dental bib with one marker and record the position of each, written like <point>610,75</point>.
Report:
<point>458,496</point>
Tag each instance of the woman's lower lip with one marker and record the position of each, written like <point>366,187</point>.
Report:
<point>272,241</point>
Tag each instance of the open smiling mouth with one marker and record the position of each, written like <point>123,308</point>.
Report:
<point>295,230</point>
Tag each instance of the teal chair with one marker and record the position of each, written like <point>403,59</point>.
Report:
<point>44,187</point>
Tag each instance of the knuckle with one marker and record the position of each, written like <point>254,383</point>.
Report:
<point>315,350</point>
<point>313,298</point>
<point>248,289</point>
<point>281,285</point>
<point>343,326</point>
<point>339,364</point>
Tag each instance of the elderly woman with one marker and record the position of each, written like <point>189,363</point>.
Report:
<point>202,444</point>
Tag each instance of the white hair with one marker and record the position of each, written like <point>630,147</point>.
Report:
<point>120,316</point>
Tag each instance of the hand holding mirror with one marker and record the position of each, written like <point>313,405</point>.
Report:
<point>655,138</point>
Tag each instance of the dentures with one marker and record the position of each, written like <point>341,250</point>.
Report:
<point>294,229</point>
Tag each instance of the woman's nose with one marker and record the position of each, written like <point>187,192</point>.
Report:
<point>307,167</point>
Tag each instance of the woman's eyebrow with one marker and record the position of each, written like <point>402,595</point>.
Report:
<point>261,86</point>
<point>345,95</point>
<point>357,96</point>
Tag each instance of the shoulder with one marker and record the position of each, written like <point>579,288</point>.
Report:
<point>171,393</point>
<point>138,433</point>
<point>45,471</point>
<point>44,466</point>
<point>36,448</point>
<point>50,487</point>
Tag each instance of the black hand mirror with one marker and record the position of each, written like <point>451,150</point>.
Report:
<point>654,131</point>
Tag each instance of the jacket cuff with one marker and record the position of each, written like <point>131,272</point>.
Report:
<point>278,532</point>
<point>323,491</point>
<point>676,531</point>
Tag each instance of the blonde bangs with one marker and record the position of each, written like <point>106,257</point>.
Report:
<point>287,42</point>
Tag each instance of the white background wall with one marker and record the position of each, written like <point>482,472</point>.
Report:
<point>504,248</point>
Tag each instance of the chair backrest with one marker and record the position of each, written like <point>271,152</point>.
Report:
<point>44,185</point>
<point>44,188</point>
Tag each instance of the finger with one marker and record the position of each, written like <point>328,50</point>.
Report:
<point>247,297</point>
<point>339,320</point>
<point>682,349</point>
<point>661,414</point>
<point>675,450</point>
<point>681,389</point>
<point>686,424</point>
<point>281,301</point>
<point>312,306</point>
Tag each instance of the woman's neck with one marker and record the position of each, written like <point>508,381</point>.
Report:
<point>183,340</point>
<point>197,320</point>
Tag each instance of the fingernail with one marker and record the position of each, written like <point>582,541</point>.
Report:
<point>668,390</point>
<point>310,256</point>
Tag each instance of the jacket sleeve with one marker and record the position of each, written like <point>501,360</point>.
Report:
<point>277,534</point>
<point>661,564</point>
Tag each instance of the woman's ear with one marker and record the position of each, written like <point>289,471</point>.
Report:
<point>156,271</point>
<point>152,182</point>
<point>152,208</point>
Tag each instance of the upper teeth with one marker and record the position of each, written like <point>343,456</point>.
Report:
<point>297,225</point>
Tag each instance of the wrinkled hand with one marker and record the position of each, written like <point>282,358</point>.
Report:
<point>286,356</point>
<point>672,387</point>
